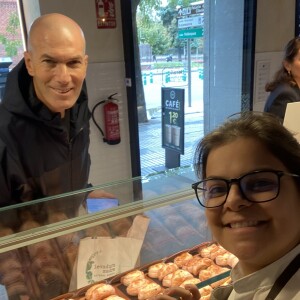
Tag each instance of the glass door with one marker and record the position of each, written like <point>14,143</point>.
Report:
<point>200,48</point>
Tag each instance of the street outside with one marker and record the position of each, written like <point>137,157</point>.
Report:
<point>151,151</point>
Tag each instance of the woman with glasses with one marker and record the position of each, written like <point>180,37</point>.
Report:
<point>250,187</point>
<point>284,88</point>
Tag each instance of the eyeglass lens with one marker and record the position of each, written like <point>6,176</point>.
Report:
<point>255,187</point>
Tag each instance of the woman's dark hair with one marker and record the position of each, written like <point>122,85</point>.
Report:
<point>282,75</point>
<point>263,127</point>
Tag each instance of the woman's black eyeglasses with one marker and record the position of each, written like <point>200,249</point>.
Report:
<point>257,186</point>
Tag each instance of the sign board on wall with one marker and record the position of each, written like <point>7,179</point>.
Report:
<point>173,119</point>
<point>106,14</point>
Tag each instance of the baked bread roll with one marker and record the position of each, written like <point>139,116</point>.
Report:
<point>153,270</point>
<point>114,297</point>
<point>100,291</point>
<point>149,290</point>
<point>179,276</point>
<point>190,281</point>
<point>134,287</point>
<point>167,269</point>
<point>43,261</point>
<point>205,292</point>
<point>9,265</point>
<point>197,263</point>
<point>132,276</point>
<point>167,280</point>
<point>182,259</point>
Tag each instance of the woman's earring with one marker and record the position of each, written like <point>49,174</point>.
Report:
<point>289,72</point>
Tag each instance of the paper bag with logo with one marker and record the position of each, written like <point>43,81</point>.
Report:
<point>102,257</point>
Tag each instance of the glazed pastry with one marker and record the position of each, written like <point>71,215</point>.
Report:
<point>134,287</point>
<point>205,292</point>
<point>204,275</point>
<point>114,297</point>
<point>11,277</point>
<point>206,251</point>
<point>197,263</point>
<point>179,276</point>
<point>182,259</point>
<point>42,261</point>
<point>218,252</point>
<point>167,280</point>
<point>222,260</point>
<point>47,276</point>
<point>131,276</point>
<point>167,269</point>
<point>149,290</point>
<point>153,270</point>
<point>100,291</point>
<point>9,265</point>
<point>190,281</point>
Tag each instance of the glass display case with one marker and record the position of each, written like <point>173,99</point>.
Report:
<point>43,242</point>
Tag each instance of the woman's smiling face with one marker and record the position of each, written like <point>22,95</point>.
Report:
<point>257,233</point>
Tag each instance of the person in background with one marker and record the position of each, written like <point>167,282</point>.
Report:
<point>284,88</point>
<point>250,187</point>
<point>44,116</point>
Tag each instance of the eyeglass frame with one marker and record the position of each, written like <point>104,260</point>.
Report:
<point>238,181</point>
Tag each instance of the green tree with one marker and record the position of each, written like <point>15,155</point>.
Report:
<point>12,44</point>
<point>156,35</point>
<point>146,10</point>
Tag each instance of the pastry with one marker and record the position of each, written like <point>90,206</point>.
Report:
<point>100,291</point>
<point>182,259</point>
<point>179,276</point>
<point>206,251</point>
<point>134,287</point>
<point>167,280</point>
<point>205,274</point>
<point>167,269</point>
<point>114,297</point>
<point>12,276</point>
<point>9,265</point>
<point>149,290</point>
<point>197,263</point>
<point>190,281</point>
<point>131,276</point>
<point>205,292</point>
<point>222,260</point>
<point>42,261</point>
<point>153,270</point>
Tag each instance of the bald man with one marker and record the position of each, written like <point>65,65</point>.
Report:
<point>44,117</point>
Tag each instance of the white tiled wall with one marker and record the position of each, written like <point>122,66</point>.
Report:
<point>109,162</point>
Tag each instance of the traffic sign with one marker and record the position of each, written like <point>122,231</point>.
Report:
<point>194,21</point>
<point>190,33</point>
<point>190,10</point>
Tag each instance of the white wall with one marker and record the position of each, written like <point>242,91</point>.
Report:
<point>105,76</point>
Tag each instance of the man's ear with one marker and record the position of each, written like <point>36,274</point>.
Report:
<point>28,63</point>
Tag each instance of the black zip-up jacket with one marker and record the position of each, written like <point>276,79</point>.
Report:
<point>38,156</point>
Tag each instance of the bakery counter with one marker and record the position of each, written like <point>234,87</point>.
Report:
<point>52,246</point>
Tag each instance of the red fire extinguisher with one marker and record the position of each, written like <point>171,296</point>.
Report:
<point>111,120</point>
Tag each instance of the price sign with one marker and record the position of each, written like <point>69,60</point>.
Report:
<point>173,119</point>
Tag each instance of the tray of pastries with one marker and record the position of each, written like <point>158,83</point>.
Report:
<point>206,265</point>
